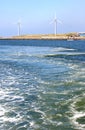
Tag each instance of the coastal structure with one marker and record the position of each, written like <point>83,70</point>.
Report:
<point>81,33</point>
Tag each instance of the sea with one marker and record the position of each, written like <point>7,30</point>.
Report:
<point>42,85</point>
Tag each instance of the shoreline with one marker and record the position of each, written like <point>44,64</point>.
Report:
<point>45,37</point>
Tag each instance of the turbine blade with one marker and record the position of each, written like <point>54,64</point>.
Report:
<point>59,21</point>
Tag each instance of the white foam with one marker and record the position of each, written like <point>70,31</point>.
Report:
<point>2,111</point>
<point>76,115</point>
<point>7,119</point>
<point>39,111</point>
<point>43,82</point>
<point>73,66</point>
<point>62,49</point>
<point>32,123</point>
<point>8,81</point>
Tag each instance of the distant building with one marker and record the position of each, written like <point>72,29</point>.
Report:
<point>81,33</point>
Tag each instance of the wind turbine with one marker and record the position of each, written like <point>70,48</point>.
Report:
<point>19,27</point>
<point>56,21</point>
<point>55,25</point>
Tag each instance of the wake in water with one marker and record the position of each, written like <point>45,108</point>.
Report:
<point>42,88</point>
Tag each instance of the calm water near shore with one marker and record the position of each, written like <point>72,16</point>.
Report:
<point>42,85</point>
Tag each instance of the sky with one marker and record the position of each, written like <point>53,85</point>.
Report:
<point>37,16</point>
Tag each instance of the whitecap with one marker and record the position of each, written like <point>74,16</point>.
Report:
<point>76,114</point>
<point>32,123</point>
<point>2,111</point>
<point>62,49</point>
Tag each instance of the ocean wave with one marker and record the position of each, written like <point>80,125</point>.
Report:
<point>58,49</point>
<point>64,54</point>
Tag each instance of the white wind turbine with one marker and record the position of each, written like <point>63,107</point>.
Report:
<point>56,21</point>
<point>55,25</point>
<point>19,27</point>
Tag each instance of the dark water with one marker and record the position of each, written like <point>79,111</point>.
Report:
<point>42,85</point>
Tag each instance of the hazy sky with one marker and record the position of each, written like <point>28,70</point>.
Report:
<point>36,16</point>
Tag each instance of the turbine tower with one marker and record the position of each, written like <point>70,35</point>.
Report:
<point>55,25</point>
<point>19,27</point>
